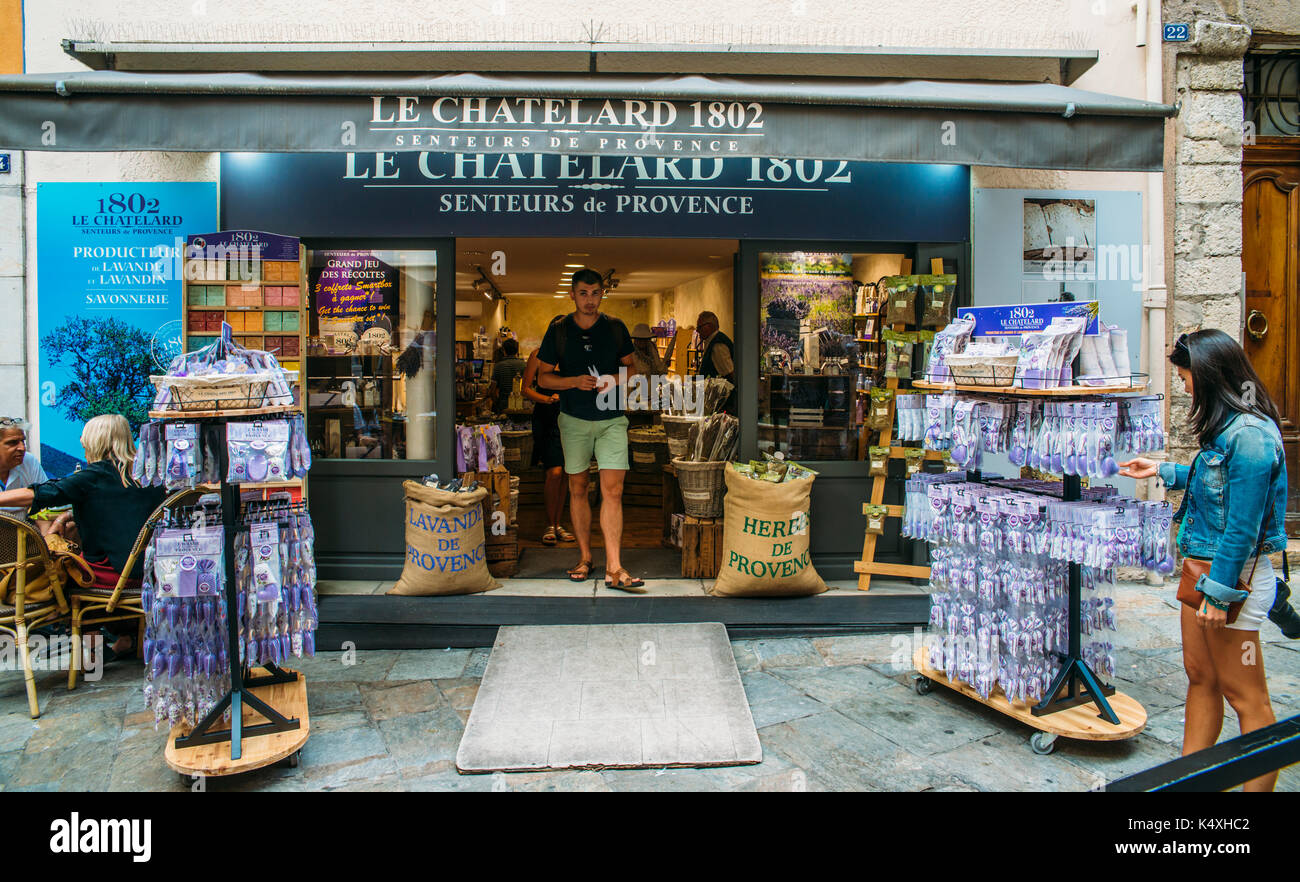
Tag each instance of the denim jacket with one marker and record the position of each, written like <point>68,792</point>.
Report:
<point>1237,502</point>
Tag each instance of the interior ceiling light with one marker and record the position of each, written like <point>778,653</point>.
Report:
<point>574,265</point>
<point>578,254</point>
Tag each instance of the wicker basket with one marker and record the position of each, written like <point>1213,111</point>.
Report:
<point>517,448</point>
<point>647,450</point>
<point>678,430</point>
<point>702,487</point>
<point>976,370</point>
<point>201,393</point>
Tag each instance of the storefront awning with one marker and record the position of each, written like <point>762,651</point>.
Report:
<point>1016,125</point>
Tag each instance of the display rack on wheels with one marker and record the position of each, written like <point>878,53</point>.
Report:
<point>1077,704</point>
<point>251,697</point>
<point>262,716</point>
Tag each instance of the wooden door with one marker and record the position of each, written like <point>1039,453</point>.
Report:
<point>1270,258</point>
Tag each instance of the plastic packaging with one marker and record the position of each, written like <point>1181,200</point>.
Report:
<point>258,452</point>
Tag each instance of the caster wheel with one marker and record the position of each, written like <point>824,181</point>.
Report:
<point>295,758</point>
<point>922,685</point>
<point>1042,743</point>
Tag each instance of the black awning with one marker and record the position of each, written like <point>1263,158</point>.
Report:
<point>1015,125</point>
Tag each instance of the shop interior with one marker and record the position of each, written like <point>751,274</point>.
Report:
<point>513,288</point>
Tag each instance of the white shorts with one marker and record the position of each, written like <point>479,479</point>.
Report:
<point>1263,590</point>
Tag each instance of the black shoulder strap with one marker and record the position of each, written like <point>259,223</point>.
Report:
<point>559,340</point>
<point>624,335</point>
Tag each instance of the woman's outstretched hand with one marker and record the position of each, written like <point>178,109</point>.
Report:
<point>1139,468</point>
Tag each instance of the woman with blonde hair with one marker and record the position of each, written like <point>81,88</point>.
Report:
<point>108,507</point>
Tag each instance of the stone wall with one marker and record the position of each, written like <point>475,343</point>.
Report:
<point>1207,197</point>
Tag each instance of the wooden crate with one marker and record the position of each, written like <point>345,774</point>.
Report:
<point>671,502</point>
<point>503,547</point>
<point>497,483</point>
<point>503,569</point>
<point>701,547</point>
<point>643,490</point>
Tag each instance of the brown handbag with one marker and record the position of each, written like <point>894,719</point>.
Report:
<point>1193,567</point>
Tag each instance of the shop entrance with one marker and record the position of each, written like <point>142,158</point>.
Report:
<point>510,290</point>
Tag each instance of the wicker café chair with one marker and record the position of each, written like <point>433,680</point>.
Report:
<point>93,606</point>
<point>21,545</point>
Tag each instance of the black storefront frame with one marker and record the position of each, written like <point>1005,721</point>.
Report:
<point>843,485</point>
<point>333,480</point>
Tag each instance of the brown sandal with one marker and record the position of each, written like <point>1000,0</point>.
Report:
<point>623,581</point>
<point>582,572</point>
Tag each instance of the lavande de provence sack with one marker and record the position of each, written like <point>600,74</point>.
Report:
<point>445,550</point>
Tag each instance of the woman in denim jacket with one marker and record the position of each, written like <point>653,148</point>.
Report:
<point>1234,517</point>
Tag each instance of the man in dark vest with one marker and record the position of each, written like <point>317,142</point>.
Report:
<point>581,357</point>
<point>717,355</point>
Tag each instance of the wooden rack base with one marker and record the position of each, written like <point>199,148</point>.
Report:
<point>1081,722</point>
<point>213,760</point>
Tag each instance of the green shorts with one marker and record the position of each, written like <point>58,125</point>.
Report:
<point>581,439</point>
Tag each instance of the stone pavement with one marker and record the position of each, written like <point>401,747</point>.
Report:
<point>834,713</point>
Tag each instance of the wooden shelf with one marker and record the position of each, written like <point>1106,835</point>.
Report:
<point>185,415</point>
<point>1081,722</point>
<point>1059,392</point>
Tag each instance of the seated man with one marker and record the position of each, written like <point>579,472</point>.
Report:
<point>18,468</point>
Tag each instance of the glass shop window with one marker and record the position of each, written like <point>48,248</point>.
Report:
<point>371,359</point>
<point>824,344</point>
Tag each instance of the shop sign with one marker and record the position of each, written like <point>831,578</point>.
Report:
<point>109,270</point>
<point>528,194</point>
<point>611,126</point>
<point>1008,320</point>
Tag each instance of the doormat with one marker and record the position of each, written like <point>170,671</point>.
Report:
<point>609,696</point>
<point>643,563</point>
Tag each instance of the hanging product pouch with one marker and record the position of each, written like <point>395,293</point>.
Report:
<point>876,519</point>
<point>879,459</point>
<point>264,539</point>
<point>892,346</point>
<point>445,548</point>
<point>765,539</point>
<point>900,300</point>
<point>184,455</point>
<point>258,452</point>
<point>915,457</point>
<point>936,293</point>
<point>187,562</point>
<point>881,416</point>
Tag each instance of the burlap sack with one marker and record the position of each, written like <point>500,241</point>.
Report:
<point>445,551</point>
<point>765,538</point>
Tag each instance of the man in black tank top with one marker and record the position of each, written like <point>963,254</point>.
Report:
<point>580,358</point>
<point>717,355</point>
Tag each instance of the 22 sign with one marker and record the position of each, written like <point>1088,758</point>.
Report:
<point>1177,33</point>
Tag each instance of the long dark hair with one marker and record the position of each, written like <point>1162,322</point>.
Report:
<point>1224,383</point>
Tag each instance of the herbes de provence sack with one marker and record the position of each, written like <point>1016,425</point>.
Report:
<point>765,538</point>
<point>445,551</point>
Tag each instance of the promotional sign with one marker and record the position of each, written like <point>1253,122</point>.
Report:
<point>530,194</point>
<point>109,272</point>
<point>1019,318</point>
<point>353,300</point>
<point>234,244</point>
